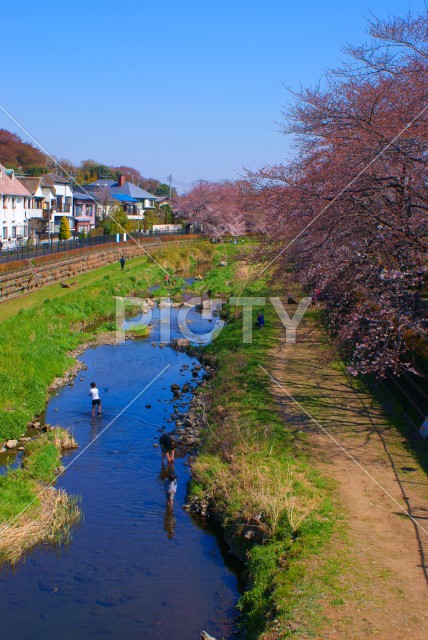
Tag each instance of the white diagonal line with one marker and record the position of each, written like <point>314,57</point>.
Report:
<point>345,451</point>
<point>362,172</point>
<point>10,522</point>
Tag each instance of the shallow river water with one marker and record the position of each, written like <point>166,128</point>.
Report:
<point>132,570</point>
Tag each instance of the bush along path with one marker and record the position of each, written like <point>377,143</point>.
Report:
<point>252,477</point>
<point>38,347</point>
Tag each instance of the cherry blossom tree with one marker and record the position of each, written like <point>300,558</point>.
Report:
<point>349,215</point>
<point>216,206</point>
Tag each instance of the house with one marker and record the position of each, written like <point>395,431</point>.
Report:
<point>84,209</point>
<point>41,221</point>
<point>61,202</point>
<point>15,209</point>
<point>134,200</point>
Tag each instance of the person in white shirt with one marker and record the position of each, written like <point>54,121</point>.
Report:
<point>170,489</point>
<point>95,395</point>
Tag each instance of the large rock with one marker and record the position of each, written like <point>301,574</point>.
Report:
<point>11,444</point>
<point>180,344</point>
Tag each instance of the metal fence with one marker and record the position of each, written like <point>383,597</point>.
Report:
<point>49,247</point>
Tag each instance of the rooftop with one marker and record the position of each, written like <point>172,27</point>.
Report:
<point>11,186</point>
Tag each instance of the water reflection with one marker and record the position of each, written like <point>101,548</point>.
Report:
<point>169,523</point>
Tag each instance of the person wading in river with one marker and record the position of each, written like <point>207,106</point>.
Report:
<point>95,395</point>
<point>170,489</point>
<point>168,449</point>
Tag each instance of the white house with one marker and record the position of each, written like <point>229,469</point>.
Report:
<point>42,199</point>
<point>15,209</point>
<point>60,201</point>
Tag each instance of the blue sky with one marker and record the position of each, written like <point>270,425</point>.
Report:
<point>183,87</point>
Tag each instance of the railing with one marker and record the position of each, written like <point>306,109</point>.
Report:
<point>63,208</point>
<point>48,247</point>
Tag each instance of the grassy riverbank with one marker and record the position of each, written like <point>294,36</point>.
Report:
<point>276,508</point>
<point>31,511</point>
<point>36,342</point>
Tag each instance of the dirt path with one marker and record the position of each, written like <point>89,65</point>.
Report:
<point>383,578</point>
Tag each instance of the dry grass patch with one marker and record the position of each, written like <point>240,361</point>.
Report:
<point>49,521</point>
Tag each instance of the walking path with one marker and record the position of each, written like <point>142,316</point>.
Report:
<point>383,556</point>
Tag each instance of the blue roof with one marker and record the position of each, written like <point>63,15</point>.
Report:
<point>123,198</point>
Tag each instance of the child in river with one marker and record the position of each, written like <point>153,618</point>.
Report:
<point>168,449</point>
<point>95,395</point>
<point>170,489</point>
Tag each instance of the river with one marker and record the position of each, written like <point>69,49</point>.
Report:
<point>132,570</point>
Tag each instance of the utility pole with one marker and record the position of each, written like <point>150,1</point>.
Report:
<point>170,190</point>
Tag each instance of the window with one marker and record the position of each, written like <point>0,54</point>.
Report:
<point>25,230</point>
<point>13,232</point>
<point>4,233</point>
<point>78,210</point>
<point>13,203</point>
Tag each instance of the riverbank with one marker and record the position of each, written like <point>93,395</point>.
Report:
<point>300,516</point>
<point>31,510</point>
<point>36,343</point>
<point>39,349</point>
<point>251,475</point>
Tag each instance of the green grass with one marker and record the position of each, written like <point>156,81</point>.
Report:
<point>17,492</point>
<point>18,488</point>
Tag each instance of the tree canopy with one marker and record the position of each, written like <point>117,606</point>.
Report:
<point>350,213</point>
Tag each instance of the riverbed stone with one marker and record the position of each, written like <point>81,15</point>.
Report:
<point>11,444</point>
<point>59,470</point>
<point>180,344</point>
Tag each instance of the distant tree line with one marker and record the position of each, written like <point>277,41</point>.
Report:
<point>26,159</point>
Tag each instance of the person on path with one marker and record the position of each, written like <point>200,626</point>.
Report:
<point>168,448</point>
<point>95,395</point>
<point>166,279</point>
<point>260,322</point>
<point>170,489</point>
<point>122,263</point>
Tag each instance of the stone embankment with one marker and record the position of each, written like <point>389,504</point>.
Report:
<point>43,271</point>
